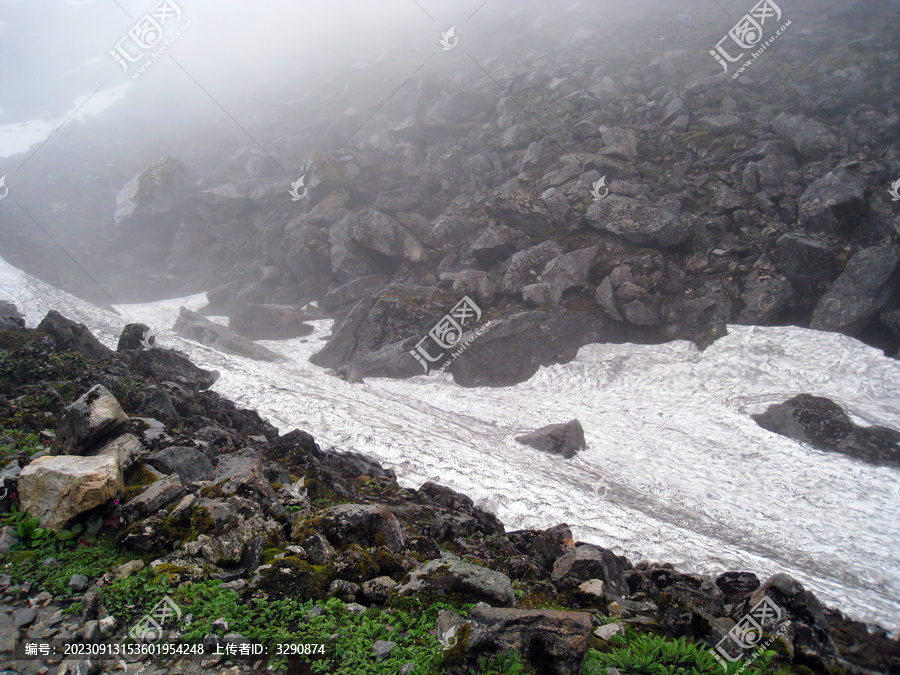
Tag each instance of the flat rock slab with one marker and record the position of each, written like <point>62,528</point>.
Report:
<point>561,439</point>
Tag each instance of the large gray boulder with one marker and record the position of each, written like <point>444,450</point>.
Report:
<point>364,524</point>
<point>381,233</point>
<point>810,138</point>
<point>520,209</point>
<point>190,464</point>
<point>858,294</point>
<point>460,578</point>
<point>588,562</point>
<point>512,348</point>
<point>526,267</point>
<point>834,204</point>
<point>192,325</point>
<point>548,641</point>
<point>70,336</point>
<point>260,321</point>
<point>96,416</point>
<point>158,189</point>
<point>560,439</point>
<point>639,221</point>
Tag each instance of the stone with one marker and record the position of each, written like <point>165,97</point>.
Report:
<point>639,222</point>
<point>519,209</point>
<point>367,525</point>
<point>261,321</point>
<point>526,267</point>
<point>588,562</point>
<point>70,336</point>
<point>859,293</point>
<point>190,464</point>
<point>379,232</point>
<point>609,630</point>
<point>79,583</point>
<point>195,327</point>
<point>56,489</point>
<point>812,139</point>
<point>94,417</point>
<point>551,544</point>
<point>460,578</point>
<point>833,204</point>
<point>549,642</point>
<point>377,591</point>
<point>560,439</point>
<point>383,648</point>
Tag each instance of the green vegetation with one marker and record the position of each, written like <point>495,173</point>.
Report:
<point>654,655</point>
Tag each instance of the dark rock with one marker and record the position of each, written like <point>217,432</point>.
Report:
<point>269,322</point>
<point>639,222</point>
<point>859,293</point>
<point>736,585</point>
<point>812,139</point>
<point>169,365</point>
<point>834,204</point>
<point>513,347</point>
<point>190,464</point>
<point>496,243</point>
<point>156,496</point>
<point>765,296</point>
<point>548,641</point>
<point>195,327</point>
<point>353,291</point>
<point>552,544</point>
<point>824,424</point>
<point>590,562</point>
<point>381,233</point>
<point>460,578</point>
<point>571,270</point>
<point>806,258</point>
<point>367,525</point>
<point>69,336</point>
<point>560,439</point>
<point>519,209</point>
<point>527,266</point>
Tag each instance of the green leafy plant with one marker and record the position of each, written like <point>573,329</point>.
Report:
<point>655,655</point>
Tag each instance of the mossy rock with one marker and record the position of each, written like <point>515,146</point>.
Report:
<point>294,578</point>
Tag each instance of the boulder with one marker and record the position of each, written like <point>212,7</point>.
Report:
<point>152,499</point>
<point>349,260</point>
<point>242,474</point>
<point>513,347</point>
<point>520,209</point>
<point>10,317</point>
<point>859,293</point>
<point>806,630</point>
<point>552,544</point>
<point>377,591</point>
<point>765,296</point>
<point>56,489</point>
<point>190,464</point>
<point>353,291</point>
<point>136,336</point>
<point>366,525</point>
<point>496,243</point>
<point>834,204</point>
<point>823,423</point>
<point>808,260</point>
<point>459,578</point>
<point>560,439</point>
<point>379,232</point>
<point>94,417</point>
<point>571,270</point>
<point>169,365</point>
<point>195,327</point>
<point>548,642</point>
<point>269,322</point>
<point>812,139</point>
<point>527,266</point>
<point>639,222</point>
<point>69,336</point>
<point>158,189</point>
<point>588,562</point>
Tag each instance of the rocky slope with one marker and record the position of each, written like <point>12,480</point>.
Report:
<point>202,490</point>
